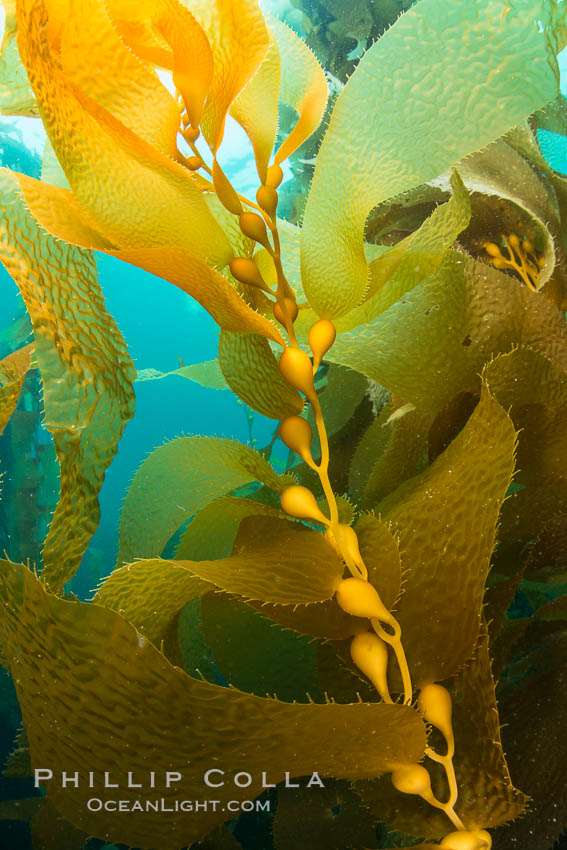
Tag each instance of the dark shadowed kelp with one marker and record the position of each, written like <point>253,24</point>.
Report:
<point>400,572</point>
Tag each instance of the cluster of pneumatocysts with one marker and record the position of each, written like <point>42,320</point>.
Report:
<point>519,256</point>
<point>355,594</point>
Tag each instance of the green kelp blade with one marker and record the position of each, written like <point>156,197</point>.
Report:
<point>178,479</point>
<point>16,96</point>
<point>257,656</point>
<point>433,343</point>
<point>343,391</point>
<point>487,797</point>
<point>212,532</point>
<point>273,561</point>
<point>534,392</point>
<point>251,371</point>
<point>403,266</point>
<point>111,694</point>
<point>393,448</point>
<point>445,520</point>
<point>86,371</point>
<point>13,369</point>
<point>392,130</point>
<point>150,593</point>
<point>206,374</point>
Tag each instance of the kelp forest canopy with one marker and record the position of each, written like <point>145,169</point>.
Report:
<point>386,607</point>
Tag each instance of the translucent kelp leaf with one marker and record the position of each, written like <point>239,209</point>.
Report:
<point>456,500</point>
<point>451,324</point>
<point>92,144</point>
<point>150,594</point>
<point>332,819</point>
<point>143,25</point>
<point>57,210</point>
<point>303,86</point>
<point>239,41</point>
<point>13,370</point>
<point>257,656</point>
<point>211,534</point>
<point>86,371</point>
<point>16,96</point>
<point>252,373</point>
<point>206,374</point>
<point>487,797</point>
<point>90,701</point>
<point>483,54</point>
<point>256,108</point>
<point>403,266</point>
<point>534,391</point>
<point>127,88</point>
<point>392,449</point>
<point>177,480</point>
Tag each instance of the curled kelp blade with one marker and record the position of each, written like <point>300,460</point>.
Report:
<point>499,173</point>
<point>432,344</point>
<point>251,371</point>
<point>486,793</point>
<point>103,159</point>
<point>74,335</point>
<point>16,96</point>
<point>206,374</point>
<point>89,701</point>
<point>178,479</point>
<point>482,57</point>
<point>13,369</point>
<point>444,586</point>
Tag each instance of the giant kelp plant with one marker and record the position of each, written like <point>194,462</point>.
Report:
<point>374,606</point>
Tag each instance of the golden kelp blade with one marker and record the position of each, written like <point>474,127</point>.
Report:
<point>457,500</point>
<point>127,88</point>
<point>87,409</point>
<point>13,370</point>
<point>452,91</point>
<point>190,57</point>
<point>111,693</point>
<point>177,480</point>
<point>134,196</point>
<point>256,108</point>
<point>303,86</point>
<point>60,214</point>
<point>16,96</point>
<point>239,41</point>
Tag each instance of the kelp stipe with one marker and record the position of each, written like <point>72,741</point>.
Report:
<point>440,411</point>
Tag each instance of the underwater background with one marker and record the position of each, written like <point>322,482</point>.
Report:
<point>165,331</point>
